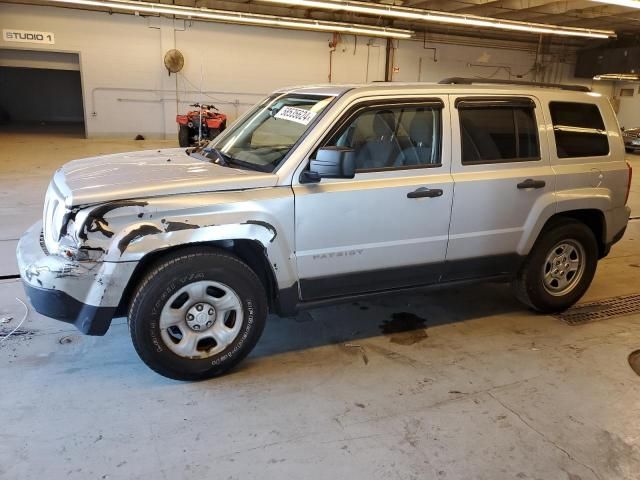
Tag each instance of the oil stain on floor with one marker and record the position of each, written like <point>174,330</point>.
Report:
<point>405,328</point>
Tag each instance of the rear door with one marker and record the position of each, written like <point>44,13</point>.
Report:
<point>502,174</point>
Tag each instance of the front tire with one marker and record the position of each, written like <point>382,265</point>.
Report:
<point>197,313</point>
<point>560,267</point>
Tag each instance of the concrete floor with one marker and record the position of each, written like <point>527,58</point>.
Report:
<point>480,388</point>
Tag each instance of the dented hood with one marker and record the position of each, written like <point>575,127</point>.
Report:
<point>149,173</point>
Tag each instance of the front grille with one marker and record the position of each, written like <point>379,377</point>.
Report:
<point>601,310</point>
<point>43,245</point>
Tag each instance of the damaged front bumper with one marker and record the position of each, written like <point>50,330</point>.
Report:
<point>84,293</point>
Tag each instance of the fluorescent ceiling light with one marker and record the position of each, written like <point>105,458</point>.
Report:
<point>238,17</point>
<point>622,3</point>
<point>443,17</point>
<point>627,77</point>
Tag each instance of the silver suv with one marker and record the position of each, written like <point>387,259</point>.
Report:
<point>325,193</point>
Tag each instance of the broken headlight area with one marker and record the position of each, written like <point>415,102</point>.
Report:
<point>69,248</point>
<point>60,237</point>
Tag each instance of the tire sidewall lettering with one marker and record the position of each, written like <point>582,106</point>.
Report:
<point>247,329</point>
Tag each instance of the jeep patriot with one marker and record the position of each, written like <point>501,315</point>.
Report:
<point>324,193</point>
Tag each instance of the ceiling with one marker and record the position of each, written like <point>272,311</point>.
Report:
<point>579,13</point>
<point>585,14</point>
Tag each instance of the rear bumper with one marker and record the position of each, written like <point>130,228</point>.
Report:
<point>83,293</point>
<point>619,218</point>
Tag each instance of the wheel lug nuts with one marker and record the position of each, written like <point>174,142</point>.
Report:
<point>196,327</point>
<point>199,308</point>
<point>189,317</point>
<point>211,311</point>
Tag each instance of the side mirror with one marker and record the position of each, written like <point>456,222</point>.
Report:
<point>331,162</point>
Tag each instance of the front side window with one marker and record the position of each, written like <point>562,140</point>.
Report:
<point>392,136</point>
<point>267,134</point>
<point>498,131</point>
<point>579,130</point>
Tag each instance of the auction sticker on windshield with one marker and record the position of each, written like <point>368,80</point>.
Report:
<point>298,115</point>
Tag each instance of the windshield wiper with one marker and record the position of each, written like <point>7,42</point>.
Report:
<point>214,155</point>
<point>228,161</point>
<point>220,158</point>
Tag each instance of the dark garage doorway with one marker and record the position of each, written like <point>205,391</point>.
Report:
<point>41,92</point>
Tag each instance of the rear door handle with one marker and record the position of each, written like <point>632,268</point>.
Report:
<point>531,183</point>
<point>425,192</point>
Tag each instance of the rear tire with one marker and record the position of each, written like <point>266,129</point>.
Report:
<point>184,136</point>
<point>197,313</point>
<point>560,267</point>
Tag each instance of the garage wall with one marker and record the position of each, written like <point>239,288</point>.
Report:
<point>127,89</point>
<point>629,112</point>
<point>418,62</point>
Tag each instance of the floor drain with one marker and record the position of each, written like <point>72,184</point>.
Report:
<point>601,310</point>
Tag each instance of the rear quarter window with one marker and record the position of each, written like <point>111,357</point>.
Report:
<point>579,130</point>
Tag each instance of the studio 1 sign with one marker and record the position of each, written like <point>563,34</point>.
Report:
<point>28,36</point>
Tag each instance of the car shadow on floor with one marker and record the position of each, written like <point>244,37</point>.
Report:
<point>402,316</point>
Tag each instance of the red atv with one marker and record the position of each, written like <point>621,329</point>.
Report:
<point>205,123</point>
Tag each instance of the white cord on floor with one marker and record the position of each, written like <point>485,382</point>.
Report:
<point>26,312</point>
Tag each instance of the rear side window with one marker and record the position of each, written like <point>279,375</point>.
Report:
<point>579,130</point>
<point>498,130</point>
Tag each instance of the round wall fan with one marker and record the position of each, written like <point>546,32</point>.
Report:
<point>174,61</point>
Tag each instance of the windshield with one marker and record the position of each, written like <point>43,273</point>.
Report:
<point>269,132</point>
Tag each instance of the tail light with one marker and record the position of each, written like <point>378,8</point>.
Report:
<point>628,183</point>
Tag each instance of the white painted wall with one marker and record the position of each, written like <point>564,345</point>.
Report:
<point>433,61</point>
<point>629,112</point>
<point>127,89</point>
<point>437,61</point>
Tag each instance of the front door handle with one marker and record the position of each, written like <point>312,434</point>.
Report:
<point>423,192</point>
<point>531,183</point>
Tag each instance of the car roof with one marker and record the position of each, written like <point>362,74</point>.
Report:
<point>426,87</point>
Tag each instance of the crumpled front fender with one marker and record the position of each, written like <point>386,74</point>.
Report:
<point>127,231</point>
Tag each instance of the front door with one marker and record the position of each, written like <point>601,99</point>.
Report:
<point>387,227</point>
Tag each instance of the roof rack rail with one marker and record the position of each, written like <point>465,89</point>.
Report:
<point>471,81</point>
